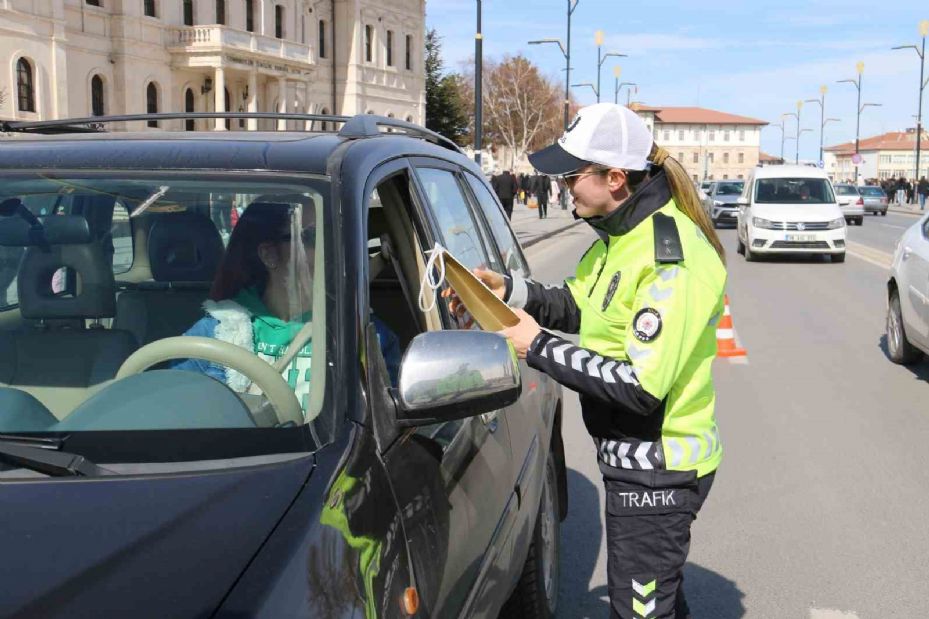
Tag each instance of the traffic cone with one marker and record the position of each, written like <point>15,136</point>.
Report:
<point>725,336</point>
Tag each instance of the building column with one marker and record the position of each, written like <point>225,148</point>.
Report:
<point>252,100</point>
<point>282,102</point>
<point>219,98</point>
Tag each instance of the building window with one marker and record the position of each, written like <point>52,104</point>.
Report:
<point>96,96</point>
<point>93,2</point>
<point>741,157</point>
<point>279,21</point>
<point>409,119</point>
<point>227,107</point>
<point>369,43</point>
<point>680,135</point>
<point>150,8</point>
<point>741,177</point>
<point>188,12</point>
<point>409,52</point>
<point>696,157</point>
<point>390,48</point>
<point>189,107</point>
<point>725,157</point>
<point>151,102</point>
<point>741,135</point>
<point>322,38</point>
<point>698,135</point>
<point>680,156</point>
<point>711,159</point>
<point>695,178</point>
<point>725,136</point>
<point>667,136</point>
<point>725,177</point>
<point>250,15</point>
<point>324,126</point>
<point>220,11</point>
<point>25,86</point>
<point>712,136</point>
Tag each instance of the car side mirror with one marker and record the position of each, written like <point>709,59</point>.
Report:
<point>448,375</point>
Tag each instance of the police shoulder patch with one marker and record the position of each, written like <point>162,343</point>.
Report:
<point>647,324</point>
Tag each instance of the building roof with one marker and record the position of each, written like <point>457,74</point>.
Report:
<point>895,140</point>
<point>766,158</point>
<point>695,115</point>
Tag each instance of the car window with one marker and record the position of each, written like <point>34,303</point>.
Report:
<point>846,190</point>
<point>729,189</point>
<point>510,251</point>
<point>458,231</point>
<point>793,191</point>
<point>871,191</point>
<point>87,225</point>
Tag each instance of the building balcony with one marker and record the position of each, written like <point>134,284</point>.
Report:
<point>201,40</point>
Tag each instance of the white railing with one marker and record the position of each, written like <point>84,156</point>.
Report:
<point>192,37</point>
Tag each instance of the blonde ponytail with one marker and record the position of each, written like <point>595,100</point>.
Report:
<point>685,196</point>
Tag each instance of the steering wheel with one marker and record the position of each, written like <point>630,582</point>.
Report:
<point>272,384</point>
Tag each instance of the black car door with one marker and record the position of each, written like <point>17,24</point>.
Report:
<point>452,480</point>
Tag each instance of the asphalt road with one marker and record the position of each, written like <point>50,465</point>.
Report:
<point>820,507</point>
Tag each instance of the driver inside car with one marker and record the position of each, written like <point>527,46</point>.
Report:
<point>262,296</point>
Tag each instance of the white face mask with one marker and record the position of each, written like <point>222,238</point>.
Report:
<point>429,281</point>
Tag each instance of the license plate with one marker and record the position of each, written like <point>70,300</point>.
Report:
<point>800,237</point>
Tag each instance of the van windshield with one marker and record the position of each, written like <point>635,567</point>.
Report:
<point>793,191</point>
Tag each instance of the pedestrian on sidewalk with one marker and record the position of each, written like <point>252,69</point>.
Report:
<point>562,194</point>
<point>910,192</point>
<point>646,311</point>
<point>541,187</point>
<point>505,188</point>
<point>923,189</point>
<point>901,191</point>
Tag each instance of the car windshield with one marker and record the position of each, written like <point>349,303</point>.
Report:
<point>143,302</point>
<point>874,192</point>
<point>729,189</point>
<point>846,190</point>
<point>793,191</point>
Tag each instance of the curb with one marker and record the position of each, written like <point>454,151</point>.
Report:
<point>905,211</point>
<point>549,234</point>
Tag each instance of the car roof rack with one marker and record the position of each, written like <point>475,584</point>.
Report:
<point>353,127</point>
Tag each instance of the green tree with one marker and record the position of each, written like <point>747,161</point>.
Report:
<point>445,109</point>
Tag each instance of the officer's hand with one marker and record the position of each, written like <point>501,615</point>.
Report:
<point>523,333</point>
<point>457,309</point>
<point>492,280</point>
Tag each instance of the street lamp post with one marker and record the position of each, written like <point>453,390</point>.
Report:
<point>601,58</point>
<point>628,91</point>
<point>822,116</point>
<point>924,31</point>
<point>617,86</point>
<point>478,78</point>
<point>857,83</point>
<point>797,116</point>
<point>566,52</point>
<point>592,87</point>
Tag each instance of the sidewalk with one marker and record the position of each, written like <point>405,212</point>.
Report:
<point>904,209</point>
<point>530,229</point>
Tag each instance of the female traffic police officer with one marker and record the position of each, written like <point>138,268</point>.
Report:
<point>645,300</point>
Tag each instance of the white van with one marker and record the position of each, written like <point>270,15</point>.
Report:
<point>787,209</point>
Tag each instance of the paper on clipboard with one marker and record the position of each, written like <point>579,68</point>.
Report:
<point>486,308</point>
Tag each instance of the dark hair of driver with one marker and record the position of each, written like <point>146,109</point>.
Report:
<point>241,266</point>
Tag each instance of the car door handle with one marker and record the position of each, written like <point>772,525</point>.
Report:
<point>490,421</point>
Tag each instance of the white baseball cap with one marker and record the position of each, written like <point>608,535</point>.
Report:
<point>604,133</point>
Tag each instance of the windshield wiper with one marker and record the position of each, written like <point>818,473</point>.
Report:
<point>42,455</point>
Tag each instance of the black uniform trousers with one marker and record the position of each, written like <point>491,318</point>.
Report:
<point>648,518</point>
<point>507,204</point>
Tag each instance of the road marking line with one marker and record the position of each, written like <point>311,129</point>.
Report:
<point>893,226</point>
<point>830,613</point>
<point>869,254</point>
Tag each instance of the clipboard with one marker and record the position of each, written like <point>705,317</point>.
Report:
<point>486,308</point>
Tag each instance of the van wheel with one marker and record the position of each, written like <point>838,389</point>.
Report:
<point>536,593</point>
<point>898,347</point>
<point>750,256</point>
<point>740,248</point>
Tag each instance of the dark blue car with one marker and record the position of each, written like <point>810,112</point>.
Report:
<point>220,394</point>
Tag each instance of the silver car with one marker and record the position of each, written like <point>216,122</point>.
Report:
<point>720,202</point>
<point>851,203</point>
<point>908,296</point>
<point>875,200</point>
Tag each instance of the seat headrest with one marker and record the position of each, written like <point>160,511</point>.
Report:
<point>55,230</point>
<point>184,247</point>
<point>95,296</point>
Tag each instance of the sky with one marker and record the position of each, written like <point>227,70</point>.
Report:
<point>754,58</point>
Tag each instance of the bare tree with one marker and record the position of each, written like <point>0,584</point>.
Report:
<point>522,108</point>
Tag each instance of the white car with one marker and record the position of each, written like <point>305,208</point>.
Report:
<point>851,203</point>
<point>790,210</point>
<point>908,296</point>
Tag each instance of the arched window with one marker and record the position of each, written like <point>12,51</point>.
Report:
<point>250,15</point>
<point>220,11</point>
<point>150,8</point>
<point>227,104</point>
<point>369,44</point>
<point>151,102</point>
<point>279,21</point>
<point>96,96</point>
<point>25,86</point>
<point>188,12</point>
<point>189,107</point>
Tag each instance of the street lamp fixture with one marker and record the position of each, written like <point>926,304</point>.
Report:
<point>859,67</point>
<point>822,115</point>
<point>592,87</point>
<point>619,86</point>
<point>598,41</point>
<point>923,31</point>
